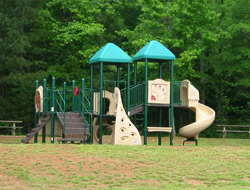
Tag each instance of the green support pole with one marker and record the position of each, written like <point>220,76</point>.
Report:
<point>118,76</point>
<point>135,81</point>
<point>36,117</point>
<point>53,110</point>
<point>44,114</point>
<point>135,73</point>
<point>64,109</point>
<point>73,96</point>
<point>101,94</point>
<point>146,103</point>
<point>91,98</point>
<point>128,90</point>
<point>160,109</point>
<point>82,96</point>
<point>82,106</point>
<point>172,103</point>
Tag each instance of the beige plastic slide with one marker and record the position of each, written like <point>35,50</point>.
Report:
<point>204,114</point>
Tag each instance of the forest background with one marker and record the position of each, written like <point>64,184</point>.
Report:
<point>44,38</point>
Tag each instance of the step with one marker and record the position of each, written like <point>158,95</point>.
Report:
<point>73,119</point>
<point>74,125</point>
<point>76,131</point>
<point>76,136</point>
<point>69,114</point>
<point>160,129</point>
<point>72,140</point>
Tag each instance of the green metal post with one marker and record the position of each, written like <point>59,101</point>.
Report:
<point>64,109</point>
<point>118,76</point>
<point>135,81</point>
<point>53,110</point>
<point>82,105</point>
<point>73,96</point>
<point>172,103</point>
<point>82,96</point>
<point>128,90</point>
<point>101,94</point>
<point>160,109</point>
<point>36,116</point>
<point>146,103</point>
<point>135,73</point>
<point>44,98</point>
<point>91,98</point>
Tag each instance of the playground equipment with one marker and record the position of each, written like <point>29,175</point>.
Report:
<point>81,114</point>
<point>203,114</point>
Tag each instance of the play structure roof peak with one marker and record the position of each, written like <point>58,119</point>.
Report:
<point>154,50</point>
<point>110,53</point>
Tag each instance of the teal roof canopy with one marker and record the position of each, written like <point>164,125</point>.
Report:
<point>111,53</point>
<point>154,50</point>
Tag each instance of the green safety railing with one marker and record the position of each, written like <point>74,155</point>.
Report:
<point>137,95</point>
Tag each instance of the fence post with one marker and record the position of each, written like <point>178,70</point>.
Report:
<point>14,129</point>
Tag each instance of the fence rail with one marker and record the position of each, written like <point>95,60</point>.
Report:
<point>13,126</point>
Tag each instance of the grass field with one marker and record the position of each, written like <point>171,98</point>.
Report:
<point>214,164</point>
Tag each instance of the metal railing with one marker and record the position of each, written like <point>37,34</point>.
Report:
<point>137,95</point>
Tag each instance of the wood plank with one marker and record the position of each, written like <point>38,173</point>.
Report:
<point>160,129</point>
<point>233,125</point>
<point>5,121</point>
<point>232,131</point>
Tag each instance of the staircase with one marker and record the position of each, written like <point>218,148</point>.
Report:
<point>36,130</point>
<point>139,121</point>
<point>75,128</point>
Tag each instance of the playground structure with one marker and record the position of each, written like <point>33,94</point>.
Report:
<point>81,114</point>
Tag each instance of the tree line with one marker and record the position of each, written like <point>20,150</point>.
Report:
<point>44,38</point>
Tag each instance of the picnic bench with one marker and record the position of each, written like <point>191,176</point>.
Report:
<point>237,127</point>
<point>12,126</point>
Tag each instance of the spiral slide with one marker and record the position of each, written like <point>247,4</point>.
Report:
<point>204,114</point>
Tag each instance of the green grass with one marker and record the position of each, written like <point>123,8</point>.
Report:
<point>214,164</point>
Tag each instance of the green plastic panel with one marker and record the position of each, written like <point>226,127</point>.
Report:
<point>154,50</point>
<point>111,53</point>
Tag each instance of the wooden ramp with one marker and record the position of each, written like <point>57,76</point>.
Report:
<point>36,130</point>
